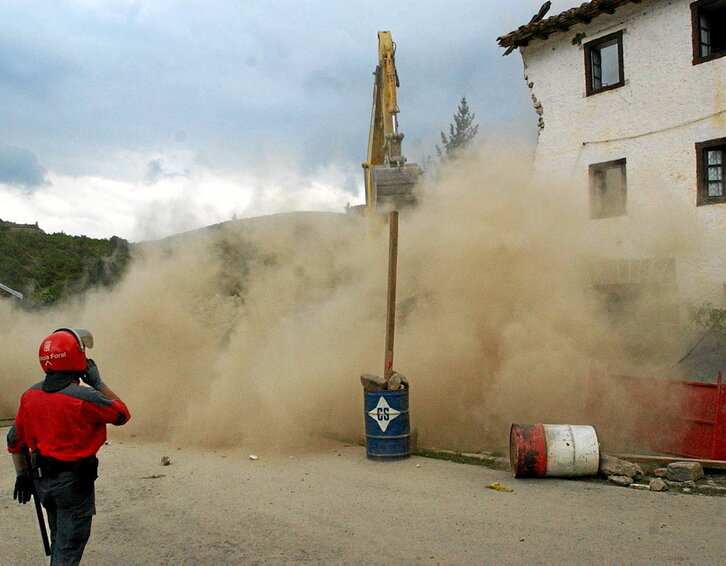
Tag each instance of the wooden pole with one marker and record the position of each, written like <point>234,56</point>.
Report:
<point>391,310</point>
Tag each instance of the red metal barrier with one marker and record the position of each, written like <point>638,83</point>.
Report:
<point>682,418</point>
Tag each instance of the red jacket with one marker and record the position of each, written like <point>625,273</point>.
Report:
<point>67,425</point>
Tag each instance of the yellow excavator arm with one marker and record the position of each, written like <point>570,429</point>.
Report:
<point>388,179</point>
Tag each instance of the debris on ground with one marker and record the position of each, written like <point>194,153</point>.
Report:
<point>253,457</point>
<point>684,471</point>
<point>624,481</point>
<point>165,460</point>
<point>499,487</point>
<point>679,476</point>
<point>612,466</point>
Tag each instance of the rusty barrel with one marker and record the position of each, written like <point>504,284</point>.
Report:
<point>546,450</point>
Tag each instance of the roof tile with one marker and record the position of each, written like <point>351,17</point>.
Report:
<point>542,29</point>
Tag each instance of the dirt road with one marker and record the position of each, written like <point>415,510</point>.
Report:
<point>333,506</point>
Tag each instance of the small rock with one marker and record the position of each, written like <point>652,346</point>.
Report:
<point>612,466</point>
<point>394,382</point>
<point>640,486</point>
<point>253,457</point>
<point>397,381</point>
<point>165,460</point>
<point>684,471</point>
<point>624,481</point>
<point>660,472</point>
<point>372,382</point>
<point>657,485</point>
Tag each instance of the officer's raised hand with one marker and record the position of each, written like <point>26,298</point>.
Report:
<point>92,376</point>
<point>23,487</point>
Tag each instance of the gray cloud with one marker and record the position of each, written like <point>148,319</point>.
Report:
<point>84,81</point>
<point>157,169</point>
<point>154,171</point>
<point>19,167</point>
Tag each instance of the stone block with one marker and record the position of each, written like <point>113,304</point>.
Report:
<point>684,471</point>
<point>397,381</point>
<point>612,466</point>
<point>624,481</point>
<point>373,382</point>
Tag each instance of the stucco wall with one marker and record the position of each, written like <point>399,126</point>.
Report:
<point>666,105</point>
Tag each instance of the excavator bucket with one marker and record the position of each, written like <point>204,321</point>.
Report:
<point>394,185</point>
<point>389,180</point>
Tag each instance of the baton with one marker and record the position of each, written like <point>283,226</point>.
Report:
<point>36,500</point>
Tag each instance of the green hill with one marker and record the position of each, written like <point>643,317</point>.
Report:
<point>48,268</point>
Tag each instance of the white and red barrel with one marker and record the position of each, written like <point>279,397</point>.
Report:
<point>546,450</point>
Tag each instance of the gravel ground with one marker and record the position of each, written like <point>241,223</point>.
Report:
<point>333,506</point>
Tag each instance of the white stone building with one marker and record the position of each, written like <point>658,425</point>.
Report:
<point>632,102</point>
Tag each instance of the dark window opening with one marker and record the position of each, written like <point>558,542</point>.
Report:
<point>604,63</point>
<point>708,19</point>
<point>607,189</point>
<point>711,172</point>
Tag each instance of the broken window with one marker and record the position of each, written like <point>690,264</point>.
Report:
<point>711,171</point>
<point>709,30</point>
<point>607,189</point>
<point>604,63</point>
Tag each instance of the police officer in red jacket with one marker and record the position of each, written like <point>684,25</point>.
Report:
<point>62,424</point>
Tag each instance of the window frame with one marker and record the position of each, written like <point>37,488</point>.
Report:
<point>593,169</point>
<point>696,10</point>
<point>597,44</point>
<point>702,197</point>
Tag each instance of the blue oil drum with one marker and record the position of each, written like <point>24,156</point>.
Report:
<point>388,428</point>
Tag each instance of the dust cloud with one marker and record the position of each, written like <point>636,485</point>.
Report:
<point>254,333</point>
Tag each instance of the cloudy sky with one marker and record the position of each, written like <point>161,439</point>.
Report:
<point>145,118</point>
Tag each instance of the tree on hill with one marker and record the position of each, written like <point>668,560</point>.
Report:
<point>47,268</point>
<point>461,132</point>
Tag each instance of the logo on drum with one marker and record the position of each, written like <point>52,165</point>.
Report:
<point>383,413</point>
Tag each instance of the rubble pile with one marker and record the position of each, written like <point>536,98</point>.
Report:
<point>677,476</point>
<point>619,472</point>
<point>372,383</point>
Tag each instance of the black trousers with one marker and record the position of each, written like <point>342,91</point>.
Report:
<point>70,503</point>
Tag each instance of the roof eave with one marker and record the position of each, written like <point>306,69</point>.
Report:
<point>562,22</point>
